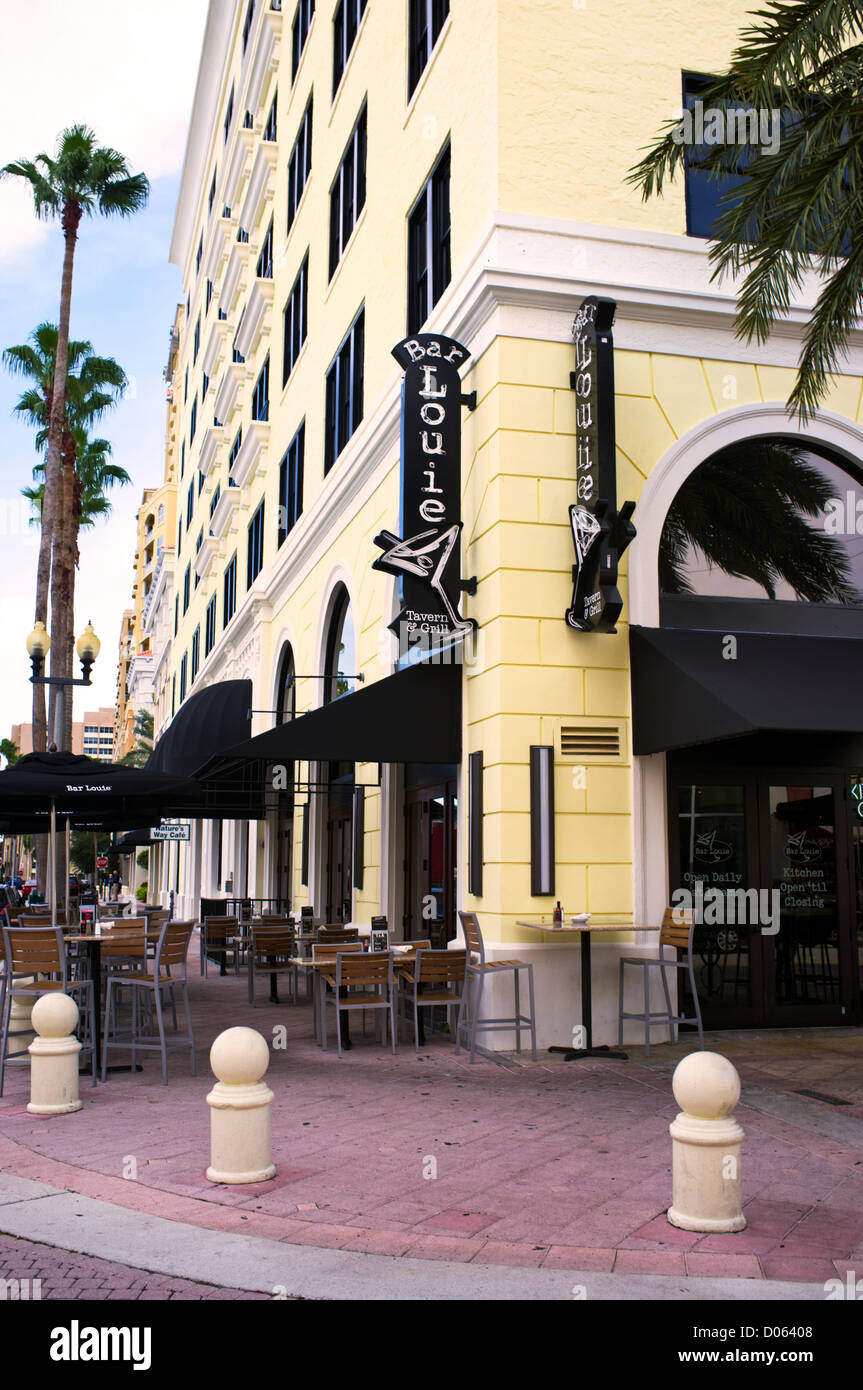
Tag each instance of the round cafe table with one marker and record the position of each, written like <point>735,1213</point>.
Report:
<point>584,930</point>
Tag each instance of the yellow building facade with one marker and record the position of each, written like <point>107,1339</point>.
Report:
<point>283,480</point>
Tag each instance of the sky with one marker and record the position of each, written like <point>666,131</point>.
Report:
<point>129,72</point>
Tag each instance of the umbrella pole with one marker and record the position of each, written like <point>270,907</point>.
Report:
<point>52,876</point>
<point>95,870</point>
<point>68,867</point>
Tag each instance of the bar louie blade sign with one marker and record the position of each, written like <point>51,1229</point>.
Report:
<point>426,557</point>
<point>600,533</point>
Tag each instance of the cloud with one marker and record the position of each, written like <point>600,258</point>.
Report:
<point>128,71</point>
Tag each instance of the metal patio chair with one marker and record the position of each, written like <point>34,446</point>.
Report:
<point>215,933</point>
<point>171,956</point>
<point>370,976</point>
<point>478,971</point>
<point>36,963</point>
<point>272,949</point>
<point>432,982</point>
<point>677,931</point>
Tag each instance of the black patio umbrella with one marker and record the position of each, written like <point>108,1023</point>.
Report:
<point>83,793</point>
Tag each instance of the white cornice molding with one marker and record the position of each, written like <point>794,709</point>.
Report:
<point>214,438</point>
<point>265,45</point>
<point>228,394</point>
<point>216,346</point>
<point>255,317</point>
<point>224,511</point>
<point>261,183</point>
<point>206,556</point>
<point>251,460</point>
<point>238,167</point>
<point>234,280</point>
<point>220,20</point>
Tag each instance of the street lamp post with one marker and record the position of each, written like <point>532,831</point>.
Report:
<point>38,646</point>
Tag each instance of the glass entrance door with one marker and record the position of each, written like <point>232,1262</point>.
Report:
<point>430,863</point>
<point>762,859</point>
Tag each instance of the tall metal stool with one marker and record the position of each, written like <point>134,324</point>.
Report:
<point>478,969</point>
<point>678,928</point>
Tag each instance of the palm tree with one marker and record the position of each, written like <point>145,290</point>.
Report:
<point>81,178</point>
<point>799,205</point>
<point>143,731</point>
<point>9,751</point>
<point>745,510</point>
<point>93,385</point>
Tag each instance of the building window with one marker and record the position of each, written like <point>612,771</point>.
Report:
<point>261,393</point>
<point>186,386</point>
<point>196,346</point>
<point>346,22</point>
<point>190,504</point>
<point>429,245</point>
<point>196,653</point>
<point>703,190</point>
<point>242,236</point>
<point>209,296</point>
<point>255,556</point>
<point>229,114</point>
<point>187,585</point>
<point>183,671</point>
<point>210,629</point>
<point>237,356</point>
<point>214,500</point>
<point>182,458</point>
<point>291,484</point>
<point>348,193</point>
<point>205,386</point>
<point>427,18</point>
<point>179,534</point>
<point>248,121</point>
<point>193,422</point>
<point>199,253</point>
<point>198,543</point>
<point>286,700</point>
<point>296,321</point>
<point>270,128</point>
<point>230,595</point>
<point>211,197</point>
<point>341,660</point>
<point>300,165</point>
<point>235,448</point>
<point>247,25</point>
<point>173,696</point>
<point>345,392</point>
<point>265,260</point>
<point>176,613</point>
<point>300,33</point>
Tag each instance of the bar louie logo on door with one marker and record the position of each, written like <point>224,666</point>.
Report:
<point>426,556</point>
<point>600,533</point>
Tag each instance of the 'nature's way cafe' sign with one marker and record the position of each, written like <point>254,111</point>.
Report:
<point>426,557</point>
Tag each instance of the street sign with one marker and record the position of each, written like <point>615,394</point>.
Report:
<point>102,861</point>
<point>169,832</point>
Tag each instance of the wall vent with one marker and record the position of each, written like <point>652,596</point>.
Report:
<point>590,741</point>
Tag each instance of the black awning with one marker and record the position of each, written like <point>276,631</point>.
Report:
<point>686,689</point>
<point>207,723</point>
<point>412,716</point>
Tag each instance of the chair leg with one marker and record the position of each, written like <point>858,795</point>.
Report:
<point>416,1022</point>
<point>462,1012</point>
<point>162,1039</point>
<point>475,1015</point>
<point>392,1021</point>
<point>646,1011</point>
<point>189,1028</point>
<point>515,975</point>
<point>620,1006</point>
<point>4,1042</point>
<point>697,1004</point>
<point>672,1026</point>
<point>338,1023</point>
<point>107,1033</point>
<point>532,1013</point>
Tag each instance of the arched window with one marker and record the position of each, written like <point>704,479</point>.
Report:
<point>286,692</point>
<point>161,514</point>
<point>341,659</point>
<point>766,519</point>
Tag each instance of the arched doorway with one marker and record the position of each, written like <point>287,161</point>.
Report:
<point>760,543</point>
<point>340,669</point>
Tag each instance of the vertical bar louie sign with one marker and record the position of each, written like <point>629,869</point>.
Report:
<point>600,533</point>
<point>426,556</point>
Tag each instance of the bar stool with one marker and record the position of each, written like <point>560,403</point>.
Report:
<point>469,1021</point>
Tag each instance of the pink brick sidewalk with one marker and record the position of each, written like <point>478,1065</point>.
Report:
<point>567,1166</point>
<point>68,1276</point>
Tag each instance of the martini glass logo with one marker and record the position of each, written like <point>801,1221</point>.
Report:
<point>710,849</point>
<point>801,850</point>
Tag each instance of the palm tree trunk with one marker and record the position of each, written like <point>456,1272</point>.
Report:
<point>52,517</point>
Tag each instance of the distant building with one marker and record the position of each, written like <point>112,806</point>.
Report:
<point>93,736</point>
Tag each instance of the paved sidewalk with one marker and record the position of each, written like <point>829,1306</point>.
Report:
<point>422,1157</point>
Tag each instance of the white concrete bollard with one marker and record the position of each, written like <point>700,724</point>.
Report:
<point>706,1142</point>
<point>240,1109</point>
<point>54,1057</point>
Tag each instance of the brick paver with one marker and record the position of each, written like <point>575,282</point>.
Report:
<point>424,1154</point>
